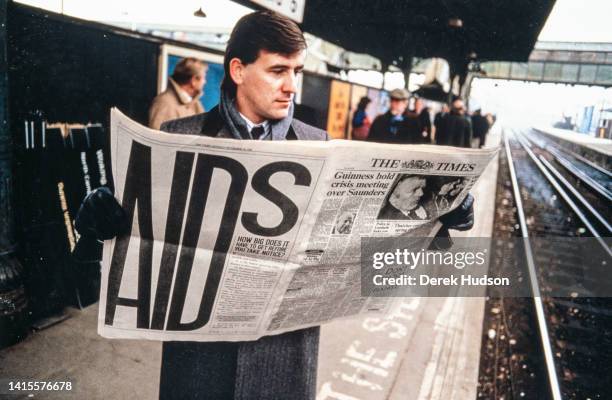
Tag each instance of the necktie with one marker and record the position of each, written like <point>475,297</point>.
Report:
<point>257,132</point>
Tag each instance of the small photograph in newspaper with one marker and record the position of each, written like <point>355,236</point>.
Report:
<point>344,223</point>
<point>421,197</point>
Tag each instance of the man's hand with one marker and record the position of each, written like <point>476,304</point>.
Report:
<point>462,217</point>
<point>100,217</point>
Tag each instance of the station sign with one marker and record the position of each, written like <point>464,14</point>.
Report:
<point>339,100</point>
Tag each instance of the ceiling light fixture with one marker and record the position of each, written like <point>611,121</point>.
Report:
<point>199,13</point>
<point>455,22</point>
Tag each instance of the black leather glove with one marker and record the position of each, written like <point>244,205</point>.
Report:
<point>100,217</point>
<point>462,217</point>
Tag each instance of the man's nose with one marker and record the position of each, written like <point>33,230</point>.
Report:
<point>290,83</point>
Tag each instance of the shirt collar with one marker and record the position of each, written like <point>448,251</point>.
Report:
<point>250,125</point>
<point>185,96</point>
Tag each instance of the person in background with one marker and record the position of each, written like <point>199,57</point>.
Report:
<point>361,122</point>
<point>480,126</point>
<point>423,115</point>
<point>182,97</point>
<point>395,126</point>
<point>491,118</point>
<point>445,110</point>
<point>454,128</point>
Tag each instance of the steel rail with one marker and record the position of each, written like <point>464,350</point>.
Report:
<point>574,192</point>
<point>581,158</point>
<point>553,380</point>
<point>592,183</point>
<point>564,195</point>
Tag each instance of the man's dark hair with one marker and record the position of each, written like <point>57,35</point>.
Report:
<point>186,69</point>
<point>261,30</point>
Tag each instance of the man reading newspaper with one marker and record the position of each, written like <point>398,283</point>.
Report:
<point>264,56</point>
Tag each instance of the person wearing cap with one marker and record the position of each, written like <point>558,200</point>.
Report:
<point>395,126</point>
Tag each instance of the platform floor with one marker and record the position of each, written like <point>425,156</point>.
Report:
<point>98,368</point>
<point>429,349</point>
<point>599,145</point>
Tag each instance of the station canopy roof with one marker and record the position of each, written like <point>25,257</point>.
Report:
<point>457,30</point>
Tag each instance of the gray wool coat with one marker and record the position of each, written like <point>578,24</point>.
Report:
<point>273,367</point>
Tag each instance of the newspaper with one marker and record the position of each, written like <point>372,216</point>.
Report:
<point>234,240</point>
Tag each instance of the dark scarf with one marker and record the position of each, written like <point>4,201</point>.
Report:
<point>237,126</point>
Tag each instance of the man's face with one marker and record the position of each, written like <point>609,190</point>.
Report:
<point>458,107</point>
<point>397,106</point>
<point>407,194</point>
<point>265,88</point>
<point>418,105</point>
<point>197,82</point>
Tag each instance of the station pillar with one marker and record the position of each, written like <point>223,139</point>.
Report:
<point>12,297</point>
<point>7,227</point>
<point>13,300</point>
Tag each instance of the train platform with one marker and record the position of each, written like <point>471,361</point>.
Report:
<point>597,150</point>
<point>600,145</point>
<point>428,349</point>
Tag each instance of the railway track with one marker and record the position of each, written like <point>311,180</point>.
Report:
<point>577,174</point>
<point>558,343</point>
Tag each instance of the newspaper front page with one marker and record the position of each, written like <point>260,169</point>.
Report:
<point>234,240</point>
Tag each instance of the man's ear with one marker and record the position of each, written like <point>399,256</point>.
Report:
<point>236,70</point>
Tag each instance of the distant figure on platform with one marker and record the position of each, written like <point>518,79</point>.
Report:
<point>491,118</point>
<point>480,127</point>
<point>454,128</point>
<point>361,122</point>
<point>445,110</point>
<point>182,97</point>
<point>566,123</point>
<point>423,115</point>
<point>395,126</point>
